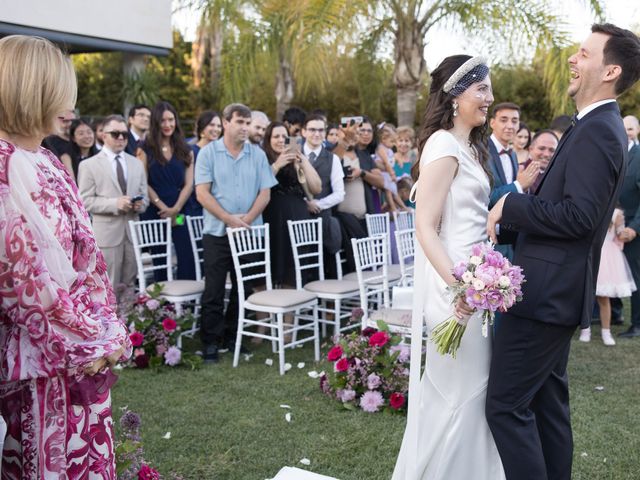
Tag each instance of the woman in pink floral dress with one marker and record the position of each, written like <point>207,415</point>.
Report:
<point>58,330</point>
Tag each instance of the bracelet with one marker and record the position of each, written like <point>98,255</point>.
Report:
<point>156,200</point>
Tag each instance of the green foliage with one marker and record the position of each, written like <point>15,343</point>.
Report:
<point>100,83</point>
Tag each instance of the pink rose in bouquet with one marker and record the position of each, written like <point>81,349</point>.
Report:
<point>136,339</point>
<point>169,324</point>
<point>379,339</point>
<point>342,365</point>
<point>396,401</point>
<point>335,353</point>
<point>487,282</point>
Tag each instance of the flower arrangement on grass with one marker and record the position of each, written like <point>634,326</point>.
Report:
<point>370,370</point>
<point>129,450</point>
<point>154,330</point>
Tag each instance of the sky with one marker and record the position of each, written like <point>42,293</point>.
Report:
<point>440,44</point>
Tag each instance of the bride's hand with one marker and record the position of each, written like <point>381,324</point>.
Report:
<point>462,310</point>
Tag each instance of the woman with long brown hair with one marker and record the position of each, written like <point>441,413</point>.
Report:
<point>168,160</point>
<point>447,434</point>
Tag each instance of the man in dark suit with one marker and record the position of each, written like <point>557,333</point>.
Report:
<point>139,120</point>
<point>630,201</point>
<point>503,162</point>
<point>559,236</point>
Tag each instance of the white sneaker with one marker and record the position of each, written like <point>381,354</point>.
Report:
<point>585,335</point>
<point>607,339</point>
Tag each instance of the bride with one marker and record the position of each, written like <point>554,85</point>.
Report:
<point>447,436</point>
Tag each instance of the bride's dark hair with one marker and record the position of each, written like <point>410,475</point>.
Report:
<point>438,114</point>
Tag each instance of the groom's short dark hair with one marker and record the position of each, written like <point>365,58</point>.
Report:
<point>623,49</point>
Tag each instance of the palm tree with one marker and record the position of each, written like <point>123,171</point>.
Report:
<point>513,23</point>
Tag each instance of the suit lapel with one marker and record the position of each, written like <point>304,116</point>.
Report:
<point>496,160</point>
<point>562,142</point>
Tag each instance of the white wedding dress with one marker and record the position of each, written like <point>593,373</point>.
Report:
<point>447,436</point>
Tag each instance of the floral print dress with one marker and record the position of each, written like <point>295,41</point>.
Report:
<point>56,317</point>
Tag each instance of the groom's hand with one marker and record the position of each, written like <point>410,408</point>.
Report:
<point>495,215</point>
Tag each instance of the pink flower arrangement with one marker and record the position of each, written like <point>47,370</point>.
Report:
<point>370,371</point>
<point>148,473</point>
<point>155,330</point>
<point>489,283</point>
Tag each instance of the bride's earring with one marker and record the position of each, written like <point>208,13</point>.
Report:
<point>455,109</point>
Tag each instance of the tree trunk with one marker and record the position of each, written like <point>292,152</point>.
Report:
<point>215,52</point>
<point>285,86</point>
<point>406,101</point>
<point>410,68</point>
<point>197,55</point>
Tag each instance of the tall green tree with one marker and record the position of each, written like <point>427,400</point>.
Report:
<point>501,23</point>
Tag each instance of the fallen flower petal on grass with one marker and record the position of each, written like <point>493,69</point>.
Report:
<point>247,356</point>
<point>305,461</point>
<point>599,388</point>
<point>268,361</point>
<point>313,374</point>
<point>584,454</point>
<point>287,417</point>
<point>167,436</point>
<point>285,406</point>
<point>287,367</point>
<point>301,365</point>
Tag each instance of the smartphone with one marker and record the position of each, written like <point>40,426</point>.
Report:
<point>346,121</point>
<point>287,140</point>
<point>137,198</point>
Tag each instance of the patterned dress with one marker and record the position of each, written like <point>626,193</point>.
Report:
<point>56,317</point>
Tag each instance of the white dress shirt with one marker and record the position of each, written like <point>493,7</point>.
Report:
<point>337,183</point>
<point>112,159</point>
<point>507,166</point>
<point>593,106</point>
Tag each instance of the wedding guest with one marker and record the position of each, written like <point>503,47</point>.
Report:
<point>614,278</point>
<point>113,204</point>
<point>331,175</point>
<point>287,198</point>
<point>208,129</point>
<point>332,137</point>
<point>543,146</point>
<point>82,144</point>
<point>560,124</point>
<point>366,147</point>
<point>630,202</point>
<point>168,161</point>
<point>259,123</point>
<point>632,126</point>
<point>60,142</point>
<point>521,144</point>
<point>294,119</point>
<point>404,191</point>
<point>407,154</point>
<point>139,120</point>
<point>98,127</point>
<point>58,329</point>
<point>233,184</point>
<point>384,162</point>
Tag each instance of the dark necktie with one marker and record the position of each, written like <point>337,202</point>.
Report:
<point>120,176</point>
<point>507,151</point>
<point>312,157</point>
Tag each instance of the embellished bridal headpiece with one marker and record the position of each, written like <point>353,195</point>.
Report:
<point>470,72</point>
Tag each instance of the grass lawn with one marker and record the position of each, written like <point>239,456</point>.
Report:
<point>227,423</point>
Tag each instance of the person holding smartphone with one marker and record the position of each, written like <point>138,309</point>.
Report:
<point>113,187</point>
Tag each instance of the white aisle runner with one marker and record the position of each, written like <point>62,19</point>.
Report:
<point>292,473</point>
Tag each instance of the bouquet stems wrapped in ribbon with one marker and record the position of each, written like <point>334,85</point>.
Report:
<point>489,283</point>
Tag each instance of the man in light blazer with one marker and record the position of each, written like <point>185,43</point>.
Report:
<point>113,187</point>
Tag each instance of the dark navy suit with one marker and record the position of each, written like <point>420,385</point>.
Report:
<point>560,234</point>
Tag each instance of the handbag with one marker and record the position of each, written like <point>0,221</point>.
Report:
<point>302,180</point>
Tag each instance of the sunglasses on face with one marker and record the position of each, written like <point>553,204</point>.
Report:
<point>116,134</point>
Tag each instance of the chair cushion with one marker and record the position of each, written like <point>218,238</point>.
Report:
<point>179,288</point>
<point>281,298</point>
<point>332,286</point>
<point>392,316</point>
<point>392,276</point>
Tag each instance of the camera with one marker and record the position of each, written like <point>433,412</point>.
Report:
<point>347,170</point>
<point>346,121</point>
<point>287,141</point>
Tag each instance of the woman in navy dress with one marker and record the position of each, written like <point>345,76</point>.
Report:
<point>208,129</point>
<point>168,162</point>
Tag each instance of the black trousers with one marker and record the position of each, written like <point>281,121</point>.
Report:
<point>216,326</point>
<point>633,257</point>
<point>528,399</point>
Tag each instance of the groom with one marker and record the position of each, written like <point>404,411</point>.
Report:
<point>559,236</point>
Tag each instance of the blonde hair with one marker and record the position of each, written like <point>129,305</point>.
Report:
<point>406,132</point>
<point>37,84</point>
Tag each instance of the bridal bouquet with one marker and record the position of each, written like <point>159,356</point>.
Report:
<point>489,283</point>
